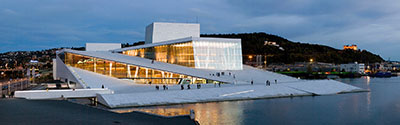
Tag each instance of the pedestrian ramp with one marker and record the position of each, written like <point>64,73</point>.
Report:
<point>64,93</point>
<point>323,87</point>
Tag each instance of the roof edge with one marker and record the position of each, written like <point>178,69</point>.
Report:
<point>186,39</point>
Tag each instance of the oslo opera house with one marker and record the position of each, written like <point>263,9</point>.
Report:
<point>175,56</point>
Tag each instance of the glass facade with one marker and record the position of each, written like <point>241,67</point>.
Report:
<point>179,53</point>
<point>125,71</point>
<point>219,55</point>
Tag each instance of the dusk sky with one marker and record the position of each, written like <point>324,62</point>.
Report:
<point>42,24</point>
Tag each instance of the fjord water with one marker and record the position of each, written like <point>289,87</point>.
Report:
<point>379,106</point>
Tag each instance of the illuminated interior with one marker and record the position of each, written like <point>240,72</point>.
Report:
<point>178,53</point>
<point>126,71</point>
<point>219,55</point>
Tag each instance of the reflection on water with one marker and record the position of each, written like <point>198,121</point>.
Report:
<point>206,113</point>
<point>379,106</point>
<point>159,111</point>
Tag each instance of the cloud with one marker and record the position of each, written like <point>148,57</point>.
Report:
<point>8,12</point>
<point>370,24</point>
<point>272,20</point>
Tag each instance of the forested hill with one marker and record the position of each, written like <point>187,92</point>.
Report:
<point>290,52</point>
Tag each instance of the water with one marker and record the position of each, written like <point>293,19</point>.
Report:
<point>379,106</point>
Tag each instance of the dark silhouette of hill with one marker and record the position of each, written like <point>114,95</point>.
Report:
<point>290,52</point>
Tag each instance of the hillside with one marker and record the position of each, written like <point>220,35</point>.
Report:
<point>254,43</point>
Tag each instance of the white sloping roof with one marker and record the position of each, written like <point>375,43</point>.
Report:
<point>187,39</point>
<point>234,92</point>
<point>323,87</point>
<point>143,62</point>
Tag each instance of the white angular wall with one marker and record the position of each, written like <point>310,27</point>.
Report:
<point>102,46</point>
<point>63,73</point>
<point>161,31</point>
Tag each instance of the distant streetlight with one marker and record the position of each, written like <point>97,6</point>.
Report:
<point>311,60</point>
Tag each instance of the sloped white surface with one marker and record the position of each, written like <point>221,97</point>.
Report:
<point>260,76</point>
<point>68,93</point>
<point>234,92</point>
<point>237,76</point>
<point>142,62</point>
<point>94,80</point>
<point>128,93</point>
<point>158,97</point>
<point>322,87</point>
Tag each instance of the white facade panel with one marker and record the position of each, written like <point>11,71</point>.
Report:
<point>102,46</point>
<point>63,73</point>
<point>353,67</point>
<point>55,69</point>
<point>66,93</point>
<point>159,32</point>
<point>149,34</point>
<point>218,55</point>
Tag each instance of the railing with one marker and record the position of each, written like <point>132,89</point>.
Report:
<point>12,70</point>
<point>8,87</point>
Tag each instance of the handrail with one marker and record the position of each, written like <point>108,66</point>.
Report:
<point>13,81</point>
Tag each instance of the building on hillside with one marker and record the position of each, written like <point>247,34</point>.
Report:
<point>353,67</point>
<point>350,47</point>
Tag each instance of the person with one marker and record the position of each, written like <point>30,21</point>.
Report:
<point>251,82</point>
<point>102,86</point>
<point>234,76</point>
<point>215,85</point>
<point>152,61</point>
<point>276,81</point>
<point>182,87</point>
<point>164,87</point>
<point>267,83</point>
<point>157,87</point>
<point>188,86</point>
<point>192,114</point>
<point>198,86</point>
<point>219,84</point>
<point>150,82</point>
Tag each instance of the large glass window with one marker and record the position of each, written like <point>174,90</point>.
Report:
<point>220,55</point>
<point>121,70</point>
<point>178,53</point>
